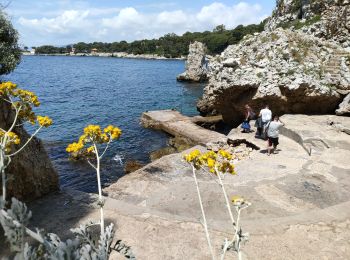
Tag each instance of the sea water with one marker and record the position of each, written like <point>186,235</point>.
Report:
<point>77,91</point>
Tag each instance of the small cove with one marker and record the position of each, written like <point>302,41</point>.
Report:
<point>77,91</point>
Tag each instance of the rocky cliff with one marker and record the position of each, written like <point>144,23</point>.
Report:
<point>292,70</point>
<point>327,19</point>
<point>30,173</point>
<point>196,64</point>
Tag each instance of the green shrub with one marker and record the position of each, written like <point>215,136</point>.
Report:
<point>9,51</point>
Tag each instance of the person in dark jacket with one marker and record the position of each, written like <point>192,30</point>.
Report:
<point>249,114</point>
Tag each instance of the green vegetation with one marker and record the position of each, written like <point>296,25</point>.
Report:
<point>298,24</point>
<point>170,45</point>
<point>9,51</point>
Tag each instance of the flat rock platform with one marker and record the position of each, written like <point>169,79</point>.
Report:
<point>178,125</point>
<point>300,200</point>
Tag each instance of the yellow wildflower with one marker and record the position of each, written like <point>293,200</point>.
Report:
<point>44,121</point>
<point>113,131</point>
<point>91,149</point>
<point>74,147</point>
<point>7,88</point>
<point>82,139</point>
<point>225,154</point>
<point>237,200</point>
<point>211,162</point>
<point>192,156</point>
<point>13,138</point>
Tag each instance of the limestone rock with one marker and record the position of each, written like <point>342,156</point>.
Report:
<point>30,173</point>
<point>344,107</point>
<point>327,19</point>
<point>292,71</point>
<point>196,64</point>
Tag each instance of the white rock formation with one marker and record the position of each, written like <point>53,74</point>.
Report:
<point>292,71</point>
<point>196,64</point>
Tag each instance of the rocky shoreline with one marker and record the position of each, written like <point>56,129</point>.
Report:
<point>111,55</point>
<point>298,194</point>
<point>295,195</point>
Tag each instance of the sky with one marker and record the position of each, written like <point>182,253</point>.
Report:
<point>63,22</point>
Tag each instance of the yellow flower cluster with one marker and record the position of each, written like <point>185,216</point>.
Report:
<point>239,202</point>
<point>11,138</point>
<point>10,89</point>
<point>93,135</point>
<point>220,160</point>
<point>113,131</point>
<point>44,121</point>
<point>22,99</point>
<point>75,147</point>
<point>237,199</point>
<point>27,96</point>
<point>7,88</point>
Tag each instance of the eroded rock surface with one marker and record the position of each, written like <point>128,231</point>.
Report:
<point>30,173</point>
<point>327,19</point>
<point>295,199</point>
<point>196,64</point>
<point>344,107</point>
<point>291,71</point>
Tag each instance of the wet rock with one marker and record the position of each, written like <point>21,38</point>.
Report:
<point>155,155</point>
<point>132,165</point>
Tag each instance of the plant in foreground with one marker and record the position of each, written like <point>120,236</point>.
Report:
<point>15,219</point>
<point>219,164</point>
<point>87,147</point>
<point>22,103</point>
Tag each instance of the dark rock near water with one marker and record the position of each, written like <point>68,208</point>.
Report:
<point>132,165</point>
<point>31,174</point>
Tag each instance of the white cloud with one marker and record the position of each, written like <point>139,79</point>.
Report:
<point>114,24</point>
<point>67,22</point>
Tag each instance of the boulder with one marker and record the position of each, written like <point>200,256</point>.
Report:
<point>30,174</point>
<point>291,71</point>
<point>344,107</point>
<point>196,64</point>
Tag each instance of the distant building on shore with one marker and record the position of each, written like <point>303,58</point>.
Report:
<point>72,52</point>
<point>32,51</point>
<point>94,51</point>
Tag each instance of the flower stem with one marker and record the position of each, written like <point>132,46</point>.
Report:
<point>102,224</point>
<point>203,214</point>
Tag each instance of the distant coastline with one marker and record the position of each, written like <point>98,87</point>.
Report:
<point>107,54</point>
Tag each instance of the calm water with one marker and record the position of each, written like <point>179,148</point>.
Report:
<point>76,91</point>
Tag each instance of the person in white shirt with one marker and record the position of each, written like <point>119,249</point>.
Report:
<point>265,115</point>
<point>273,134</point>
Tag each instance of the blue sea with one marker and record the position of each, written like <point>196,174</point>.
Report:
<point>77,91</point>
